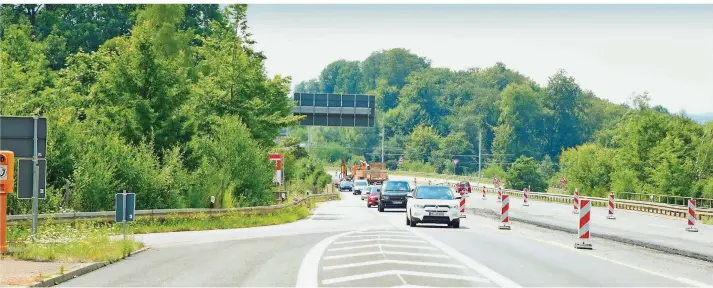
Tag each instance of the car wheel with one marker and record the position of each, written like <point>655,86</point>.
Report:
<point>381,208</point>
<point>456,223</point>
<point>408,220</point>
<point>412,222</point>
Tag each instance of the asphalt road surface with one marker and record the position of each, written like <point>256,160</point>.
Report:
<point>346,244</point>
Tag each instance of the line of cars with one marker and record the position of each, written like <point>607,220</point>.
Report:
<point>424,204</point>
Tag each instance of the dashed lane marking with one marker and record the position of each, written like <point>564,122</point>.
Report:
<point>380,239</point>
<point>387,261</point>
<point>381,245</point>
<point>385,252</point>
<point>375,235</point>
<point>403,272</point>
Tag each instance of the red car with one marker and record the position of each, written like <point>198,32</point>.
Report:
<point>373,198</point>
<point>463,187</point>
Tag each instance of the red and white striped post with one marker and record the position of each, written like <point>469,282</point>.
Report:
<point>611,207</point>
<point>504,211</point>
<point>576,202</point>
<point>462,204</point>
<point>583,227</point>
<point>692,216</point>
<point>484,191</point>
<point>500,194</point>
<point>525,195</point>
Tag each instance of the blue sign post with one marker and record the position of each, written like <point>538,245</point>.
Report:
<point>125,207</point>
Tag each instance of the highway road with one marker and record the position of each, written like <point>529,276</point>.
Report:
<point>346,244</point>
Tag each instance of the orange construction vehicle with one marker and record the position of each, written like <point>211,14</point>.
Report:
<point>359,171</point>
<point>377,173</point>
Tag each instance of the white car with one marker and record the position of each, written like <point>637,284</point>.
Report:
<point>369,189</point>
<point>433,204</point>
<point>359,186</point>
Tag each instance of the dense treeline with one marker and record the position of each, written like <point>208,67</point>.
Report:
<point>168,101</point>
<point>531,134</point>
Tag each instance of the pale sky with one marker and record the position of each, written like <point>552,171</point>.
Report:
<point>613,50</point>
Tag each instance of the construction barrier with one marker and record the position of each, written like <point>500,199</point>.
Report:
<point>585,207</point>
<point>462,204</point>
<point>576,201</point>
<point>692,216</point>
<point>526,195</point>
<point>611,207</point>
<point>484,192</point>
<point>504,217</point>
<point>500,195</point>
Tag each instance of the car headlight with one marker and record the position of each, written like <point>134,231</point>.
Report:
<point>419,206</point>
<point>385,197</point>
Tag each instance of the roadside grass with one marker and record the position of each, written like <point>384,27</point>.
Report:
<point>100,240</point>
<point>708,221</point>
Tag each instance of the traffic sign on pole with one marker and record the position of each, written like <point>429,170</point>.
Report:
<point>128,213</point>
<point>25,174</point>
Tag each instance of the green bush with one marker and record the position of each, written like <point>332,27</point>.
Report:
<point>416,166</point>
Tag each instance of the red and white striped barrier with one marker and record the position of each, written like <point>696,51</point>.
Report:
<point>576,201</point>
<point>692,216</point>
<point>525,195</point>
<point>583,227</point>
<point>484,191</point>
<point>611,207</point>
<point>504,217</point>
<point>462,204</point>
<point>500,194</point>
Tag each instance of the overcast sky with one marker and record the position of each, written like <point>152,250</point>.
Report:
<point>613,50</point>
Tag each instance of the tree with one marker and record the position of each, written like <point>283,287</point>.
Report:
<point>421,144</point>
<point>524,119</point>
<point>523,173</point>
<point>563,98</point>
<point>588,167</point>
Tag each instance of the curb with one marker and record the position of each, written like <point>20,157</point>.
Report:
<point>81,271</point>
<point>661,248</point>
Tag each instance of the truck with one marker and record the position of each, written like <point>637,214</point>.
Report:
<point>359,171</point>
<point>377,173</point>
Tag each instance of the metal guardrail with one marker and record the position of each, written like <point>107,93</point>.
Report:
<point>163,213</point>
<point>649,207</point>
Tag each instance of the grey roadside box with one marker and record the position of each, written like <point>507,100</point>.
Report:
<point>129,213</point>
<point>24,179</point>
<point>17,135</point>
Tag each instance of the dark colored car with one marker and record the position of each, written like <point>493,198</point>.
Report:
<point>463,187</point>
<point>393,195</point>
<point>346,186</point>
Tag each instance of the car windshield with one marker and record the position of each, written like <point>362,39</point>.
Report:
<point>361,183</point>
<point>440,193</point>
<point>400,186</point>
<point>345,183</point>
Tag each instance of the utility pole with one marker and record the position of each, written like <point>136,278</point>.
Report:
<point>383,134</point>
<point>480,147</point>
<point>309,138</point>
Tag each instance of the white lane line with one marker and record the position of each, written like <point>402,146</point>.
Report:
<point>495,277</point>
<point>384,232</point>
<point>403,272</point>
<point>679,279</point>
<point>377,235</point>
<point>382,245</point>
<point>379,239</point>
<point>387,261</point>
<point>410,286</point>
<point>308,276</point>
<point>385,252</point>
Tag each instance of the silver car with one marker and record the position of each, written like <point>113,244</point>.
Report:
<point>370,189</point>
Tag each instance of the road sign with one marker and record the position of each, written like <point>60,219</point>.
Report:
<point>24,179</point>
<point>345,110</point>
<point>127,214</point>
<point>278,167</point>
<point>455,161</point>
<point>401,160</point>
<point>563,181</point>
<point>3,172</point>
<point>17,135</point>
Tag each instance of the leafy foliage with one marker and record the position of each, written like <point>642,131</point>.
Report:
<point>167,101</point>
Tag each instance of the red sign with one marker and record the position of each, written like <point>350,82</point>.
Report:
<point>278,167</point>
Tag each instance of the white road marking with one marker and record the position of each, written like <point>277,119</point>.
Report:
<point>410,286</point>
<point>379,239</point>
<point>401,278</point>
<point>308,276</point>
<point>387,261</point>
<point>402,272</point>
<point>381,245</point>
<point>378,235</point>
<point>495,277</point>
<point>659,225</point>
<point>570,248</point>
<point>384,252</point>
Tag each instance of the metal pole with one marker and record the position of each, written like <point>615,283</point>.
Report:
<point>480,145</point>
<point>309,138</point>
<point>35,180</point>
<point>123,213</point>
<point>382,143</point>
